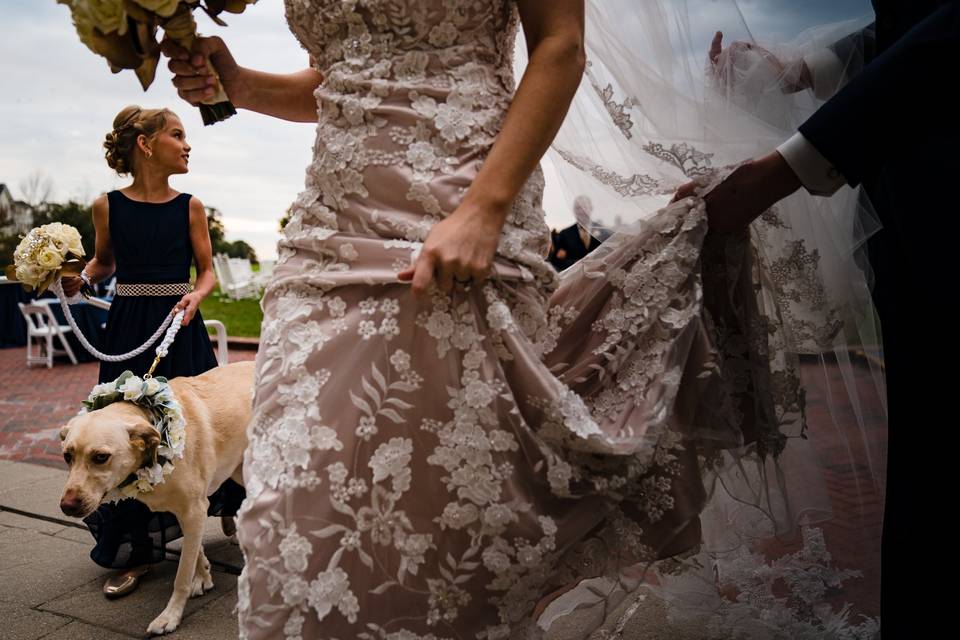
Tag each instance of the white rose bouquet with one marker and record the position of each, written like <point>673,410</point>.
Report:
<point>125,33</point>
<point>46,254</point>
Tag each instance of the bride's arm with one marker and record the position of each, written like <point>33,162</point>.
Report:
<point>288,96</point>
<point>554,34</point>
<point>463,245</point>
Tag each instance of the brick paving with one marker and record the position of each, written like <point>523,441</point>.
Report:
<point>35,402</point>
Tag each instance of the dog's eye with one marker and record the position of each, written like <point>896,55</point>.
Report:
<point>68,457</point>
<point>100,458</point>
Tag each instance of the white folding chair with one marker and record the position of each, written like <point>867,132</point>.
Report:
<point>231,278</point>
<point>43,327</point>
<point>266,272</point>
<point>111,288</point>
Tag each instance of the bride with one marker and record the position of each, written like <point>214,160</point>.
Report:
<point>453,441</point>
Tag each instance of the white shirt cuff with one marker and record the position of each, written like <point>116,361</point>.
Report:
<point>815,172</point>
<point>826,72</point>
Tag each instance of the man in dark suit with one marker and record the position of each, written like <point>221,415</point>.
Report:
<point>569,246</point>
<point>894,129</point>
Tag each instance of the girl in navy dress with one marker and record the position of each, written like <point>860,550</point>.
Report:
<point>147,234</point>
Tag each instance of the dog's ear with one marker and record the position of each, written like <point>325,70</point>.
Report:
<point>64,430</point>
<point>146,438</point>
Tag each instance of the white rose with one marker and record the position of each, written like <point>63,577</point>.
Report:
<point>54,237</point>
<point>52,229</point>
<point>155,474</point>
<point>102,389</point>
<point>49,259</point>
<point>175,436</point>
<point>132,388</point>
<point>73,240</point>
<point>31,274</point>
<point>151,387</point>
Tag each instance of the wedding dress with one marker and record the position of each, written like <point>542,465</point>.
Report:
<point>433,468</point>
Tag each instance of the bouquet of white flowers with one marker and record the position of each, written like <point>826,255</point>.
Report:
<point>125,33</point>
<point>46,254</point>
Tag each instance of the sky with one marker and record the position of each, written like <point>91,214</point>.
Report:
<point>58,100</point>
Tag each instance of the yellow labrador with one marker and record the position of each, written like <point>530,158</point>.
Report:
<point>104,447</point>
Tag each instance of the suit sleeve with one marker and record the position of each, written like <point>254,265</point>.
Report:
<point>898,102</point>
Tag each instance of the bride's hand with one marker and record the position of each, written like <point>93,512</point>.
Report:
<point>191,75</point>
<point>458,249</point>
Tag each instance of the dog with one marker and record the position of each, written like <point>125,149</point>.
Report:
<point>104,447</point>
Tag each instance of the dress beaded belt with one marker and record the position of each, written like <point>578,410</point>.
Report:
<point>171,289</point>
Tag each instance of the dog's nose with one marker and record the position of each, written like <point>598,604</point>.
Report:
<point>71,504</point>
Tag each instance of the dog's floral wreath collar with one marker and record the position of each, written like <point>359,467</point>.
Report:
<point>156,396</point>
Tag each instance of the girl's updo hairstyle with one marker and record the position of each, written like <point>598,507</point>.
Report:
<point>131,123</point>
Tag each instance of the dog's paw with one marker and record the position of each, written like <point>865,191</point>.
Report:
<point>166,622</point>
<point>201,584</point>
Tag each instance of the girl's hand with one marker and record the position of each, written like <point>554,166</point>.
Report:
<point>71,285</point>
<point>458,250</point>
<point>189,303</point>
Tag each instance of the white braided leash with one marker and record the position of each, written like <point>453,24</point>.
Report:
<point>172,321</point>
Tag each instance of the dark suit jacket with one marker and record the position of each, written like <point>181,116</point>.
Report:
<point>568,247</point>
<point>894,129</point>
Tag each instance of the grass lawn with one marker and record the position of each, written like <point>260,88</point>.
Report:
<point>241,317</point>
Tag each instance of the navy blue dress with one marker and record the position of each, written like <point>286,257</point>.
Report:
<point>151,245</point>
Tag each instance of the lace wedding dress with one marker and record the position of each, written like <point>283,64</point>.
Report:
<point>433,468</point>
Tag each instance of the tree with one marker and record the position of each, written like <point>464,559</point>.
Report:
<point>72,213</point>
<point>216,228</point>
<point>240,249</point>
<point>237,249</point>
<point>286,217</point>
<point>36,189</point>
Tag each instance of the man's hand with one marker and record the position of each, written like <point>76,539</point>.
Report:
<point>746,193</point>
<point>794,74</point>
